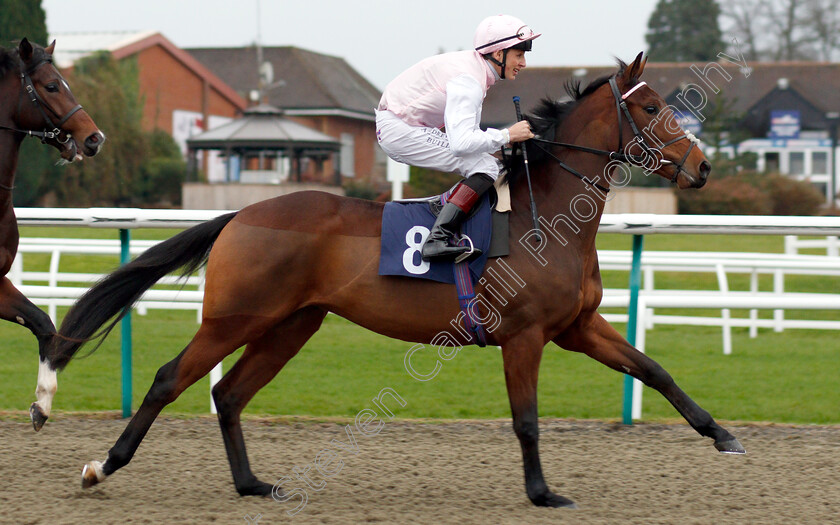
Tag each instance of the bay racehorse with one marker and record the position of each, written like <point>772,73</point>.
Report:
<point>36,101</point>
<point>274,270</point>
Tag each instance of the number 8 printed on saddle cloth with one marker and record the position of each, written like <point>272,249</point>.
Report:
<point>405,227</point>
<point>412,261</point>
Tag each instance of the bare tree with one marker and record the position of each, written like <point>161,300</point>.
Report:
<point>786,20</point>
<point>823,19</point>
<point>743,25</point>
<point>773,30</point>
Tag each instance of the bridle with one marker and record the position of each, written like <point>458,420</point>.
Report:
<point>29,87</point>
<point>622,111</point>
<point>621,104</point>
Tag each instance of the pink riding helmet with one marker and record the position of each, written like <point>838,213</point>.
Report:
<point>501,32</point>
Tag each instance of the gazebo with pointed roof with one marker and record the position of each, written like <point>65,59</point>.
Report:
<point>263,129</point>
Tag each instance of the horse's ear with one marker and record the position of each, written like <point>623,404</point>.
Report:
<point>50,48</point>
<point>634,70</point>
<point>25,50</point>
<point>638,74</point>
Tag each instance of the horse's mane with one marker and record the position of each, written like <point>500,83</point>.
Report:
<point>8,61</point>
<point>545,119</point>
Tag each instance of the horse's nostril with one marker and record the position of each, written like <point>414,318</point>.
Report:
<point>94,141</point>
<point>705,169</point>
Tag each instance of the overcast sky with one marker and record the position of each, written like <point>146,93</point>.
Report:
<point>379,38</point>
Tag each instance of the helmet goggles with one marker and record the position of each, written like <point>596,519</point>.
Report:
<point>525,35</point>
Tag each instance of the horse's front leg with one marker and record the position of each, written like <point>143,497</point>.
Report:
<point>594,336</point>
<point>521,357</point>
<point>16,308</point>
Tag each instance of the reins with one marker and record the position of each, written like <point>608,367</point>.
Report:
<point>570,169</point>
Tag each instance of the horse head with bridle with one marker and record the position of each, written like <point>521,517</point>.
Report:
<point>35,101</point>
<point>38,102</point>
<point>276,268</point>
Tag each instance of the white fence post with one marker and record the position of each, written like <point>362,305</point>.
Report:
<point>16,272</point>
<point>754,312</point>
<point>779,289</point>
<point>648,284</point>
<point>55,258</point>
<point>725,312</point>
<point>791,247</point>
<point>398,174</point>
<point>636,409</point>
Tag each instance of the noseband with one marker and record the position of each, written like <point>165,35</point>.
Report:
<point>622,111</point>
<point>29,87</point>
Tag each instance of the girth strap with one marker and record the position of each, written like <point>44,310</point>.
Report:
<point>466,300</point>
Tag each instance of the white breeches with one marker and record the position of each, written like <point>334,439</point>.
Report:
<point>428,148</point>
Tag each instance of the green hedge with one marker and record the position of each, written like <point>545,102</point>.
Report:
<point>751,193</point>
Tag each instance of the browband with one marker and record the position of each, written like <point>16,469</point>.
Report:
<point>634,88</point>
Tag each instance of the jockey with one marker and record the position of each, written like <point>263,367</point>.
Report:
<point>446,92</point>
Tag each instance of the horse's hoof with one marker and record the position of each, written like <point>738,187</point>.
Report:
<point>732,446</point>
<point>258,488</point>
<point>551,499</point>
<point>92,474</point>
<point>37,416</point>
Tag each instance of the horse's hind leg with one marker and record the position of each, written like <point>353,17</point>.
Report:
<point>16,308</point>
<point>600,341</point>
<point>262,360</point>
<point>216,338</point>
<point>521,357</point>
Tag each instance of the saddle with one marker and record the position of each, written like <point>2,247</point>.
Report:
<point>499,202</point>
<point>406,224</point>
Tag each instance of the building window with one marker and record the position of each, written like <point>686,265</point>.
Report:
<point>819,161</point>
<point>797,163</point>
<point>348,164</point>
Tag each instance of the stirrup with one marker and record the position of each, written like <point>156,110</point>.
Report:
<point>466,255</point>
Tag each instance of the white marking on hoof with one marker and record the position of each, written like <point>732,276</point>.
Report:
<point>47,385</point>
<point>20,320</point>
<point>92,474</point>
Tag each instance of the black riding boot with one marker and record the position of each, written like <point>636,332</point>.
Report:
<point>439,245</point>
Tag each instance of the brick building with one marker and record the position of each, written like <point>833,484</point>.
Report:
<point>317,90</point>
<point>188,92</point>
<point>178,90</point>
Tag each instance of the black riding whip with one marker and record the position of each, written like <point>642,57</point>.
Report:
<point>528,176</point>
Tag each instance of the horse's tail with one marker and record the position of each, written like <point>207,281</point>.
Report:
<point>116,293</point>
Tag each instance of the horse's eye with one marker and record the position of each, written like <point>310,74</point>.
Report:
<point>651,109</point>
<point>52,87</point>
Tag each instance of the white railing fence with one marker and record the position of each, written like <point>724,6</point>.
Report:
<point>831,244</point>
<point>721,264</point>
<point>51,288</point>
<point>55,288</point>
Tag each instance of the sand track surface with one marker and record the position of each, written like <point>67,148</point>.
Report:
<point>419,472</point>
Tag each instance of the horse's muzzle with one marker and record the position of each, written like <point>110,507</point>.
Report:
<point>93,143</point>
<point>703,173</point>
